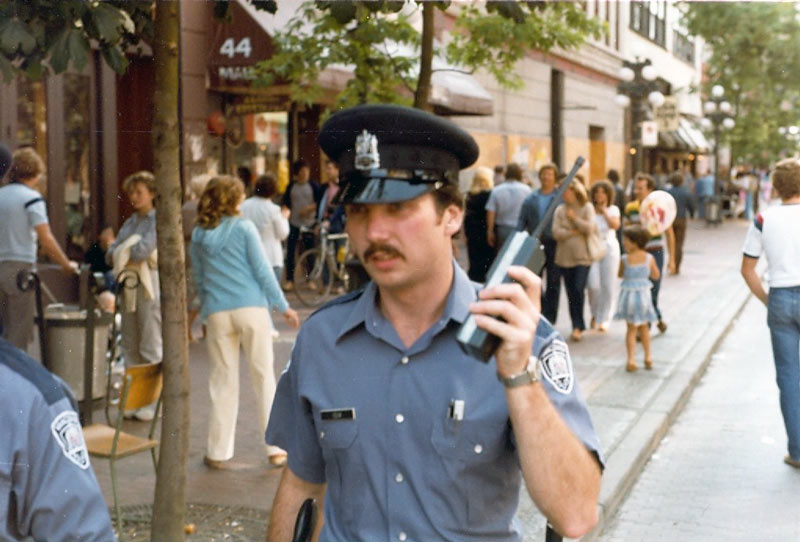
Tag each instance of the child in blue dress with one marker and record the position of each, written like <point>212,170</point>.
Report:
<point>635,304</point>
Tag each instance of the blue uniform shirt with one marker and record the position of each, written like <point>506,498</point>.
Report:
<point>357,410</point>
<point>47,485</point>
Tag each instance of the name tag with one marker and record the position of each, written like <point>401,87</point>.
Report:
<point>338,414</point>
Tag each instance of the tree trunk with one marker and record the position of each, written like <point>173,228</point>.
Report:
<point>422,95</point>
<point>169,504</point>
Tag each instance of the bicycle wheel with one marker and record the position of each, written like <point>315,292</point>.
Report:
<point>312,278</point>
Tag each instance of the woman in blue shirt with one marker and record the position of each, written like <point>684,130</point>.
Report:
<point>236,287</point>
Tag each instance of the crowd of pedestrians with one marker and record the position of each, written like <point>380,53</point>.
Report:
<point>584,242</point>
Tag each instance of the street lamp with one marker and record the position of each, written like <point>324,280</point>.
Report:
<point>636,89</point>
<point>718,115</point>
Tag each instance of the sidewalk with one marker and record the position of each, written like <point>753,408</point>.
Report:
<point>631,412</point>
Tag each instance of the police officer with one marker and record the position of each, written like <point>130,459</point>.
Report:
<point>47,485</point>
<point>382,414</point>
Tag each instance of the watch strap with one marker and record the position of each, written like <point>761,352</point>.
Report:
<point>528,376</point>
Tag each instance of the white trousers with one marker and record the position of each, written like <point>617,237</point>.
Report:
<point>602,283</point>
<point>249,327</point>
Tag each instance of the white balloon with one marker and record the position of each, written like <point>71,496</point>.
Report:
<point>657,212</point>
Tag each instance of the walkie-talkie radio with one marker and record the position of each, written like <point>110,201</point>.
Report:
<point>519,249</point>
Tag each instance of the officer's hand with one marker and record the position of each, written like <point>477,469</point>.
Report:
<point>291,318</point>
<point>519,305</point>
<point>490,238</point>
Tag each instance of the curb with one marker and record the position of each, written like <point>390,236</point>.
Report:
<point>627,461</point>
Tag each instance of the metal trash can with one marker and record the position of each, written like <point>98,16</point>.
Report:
<point>66,340</point>
<point>713,210</point>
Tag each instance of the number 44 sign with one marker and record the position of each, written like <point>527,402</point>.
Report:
<point>230,48</point>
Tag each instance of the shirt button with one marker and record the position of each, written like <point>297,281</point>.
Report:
<point>402,536</point>
<point>399,418</point>
<point>398,477</point>
<point>478,448</point>
<point>322,434</point>
<point>404,360</point>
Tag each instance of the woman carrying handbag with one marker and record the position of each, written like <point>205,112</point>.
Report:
<point>573,223</point>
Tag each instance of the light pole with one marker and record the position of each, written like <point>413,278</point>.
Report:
<point>718,116</point>
<point>638,88</point>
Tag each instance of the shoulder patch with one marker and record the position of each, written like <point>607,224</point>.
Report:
<point>557,366</point>
<point>758,222</point>
<point>66,429</point>
<point>342,299</point>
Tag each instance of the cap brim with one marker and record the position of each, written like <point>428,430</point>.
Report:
<point>381,190</point>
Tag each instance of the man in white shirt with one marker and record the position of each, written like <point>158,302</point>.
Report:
<point>775,234</point>
<point>503,206</point>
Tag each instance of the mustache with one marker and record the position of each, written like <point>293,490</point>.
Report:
<point>374,248</point>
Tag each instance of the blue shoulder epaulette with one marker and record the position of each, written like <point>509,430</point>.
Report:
<point>32,371</point>
<point>349,296</point>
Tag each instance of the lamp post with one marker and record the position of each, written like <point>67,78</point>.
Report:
<point>717,116</point>
<point>637,88</point>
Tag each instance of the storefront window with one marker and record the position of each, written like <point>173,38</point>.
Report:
<point>32,119</point>
<point>76,156</point>
<point>262,145</point>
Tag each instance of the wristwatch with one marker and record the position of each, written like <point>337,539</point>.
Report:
<point>531,374</point>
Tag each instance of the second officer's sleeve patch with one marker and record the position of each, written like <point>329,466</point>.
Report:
<point>66,429</point>
<point>557,366</point>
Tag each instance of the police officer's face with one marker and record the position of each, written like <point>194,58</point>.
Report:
<point>404,243</point>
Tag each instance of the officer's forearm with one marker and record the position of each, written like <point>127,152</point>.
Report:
<point>291,493</point>
<point>562,476</point>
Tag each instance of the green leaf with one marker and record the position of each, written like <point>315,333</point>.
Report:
<point>15,38</point>
<point>78,46</point>
<point>221,9</point>
<point>110,22</point>
<point>59,53</point>
<point>270,6</point>
<point>116,59</point>
<point>343,11</point>
<point>33,68</point>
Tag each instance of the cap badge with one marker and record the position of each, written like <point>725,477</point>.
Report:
<point>367,156</point>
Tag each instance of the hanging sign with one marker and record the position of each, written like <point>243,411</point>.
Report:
<point>649,133</point>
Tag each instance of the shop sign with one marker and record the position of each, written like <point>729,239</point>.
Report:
<point>237,46</point>
<point>667,116</point>
<point>254,103</point>
<point>649,133</point>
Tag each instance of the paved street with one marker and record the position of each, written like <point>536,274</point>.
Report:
<point>719,474</point>
<point>630,411</point>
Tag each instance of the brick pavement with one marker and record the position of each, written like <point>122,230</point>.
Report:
<point>630,411</point>
<point>718,474</point>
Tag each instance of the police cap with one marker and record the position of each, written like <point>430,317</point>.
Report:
<point>390,153</point>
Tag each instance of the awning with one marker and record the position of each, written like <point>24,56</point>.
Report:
<point>696,135</point>
<point>453,91</point>
<point>686,138</point>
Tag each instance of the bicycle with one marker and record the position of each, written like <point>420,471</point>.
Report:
<point>321,268</point>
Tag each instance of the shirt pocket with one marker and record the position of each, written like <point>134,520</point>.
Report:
<point>345,472</point>
<point>337,434</point>
<point>479,462</point>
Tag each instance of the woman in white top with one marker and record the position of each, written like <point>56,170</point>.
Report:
<point>271,221</point>
<point>774,233</point>
<point>603,274</point>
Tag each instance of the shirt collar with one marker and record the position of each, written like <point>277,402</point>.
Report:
<point>365,311</point>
